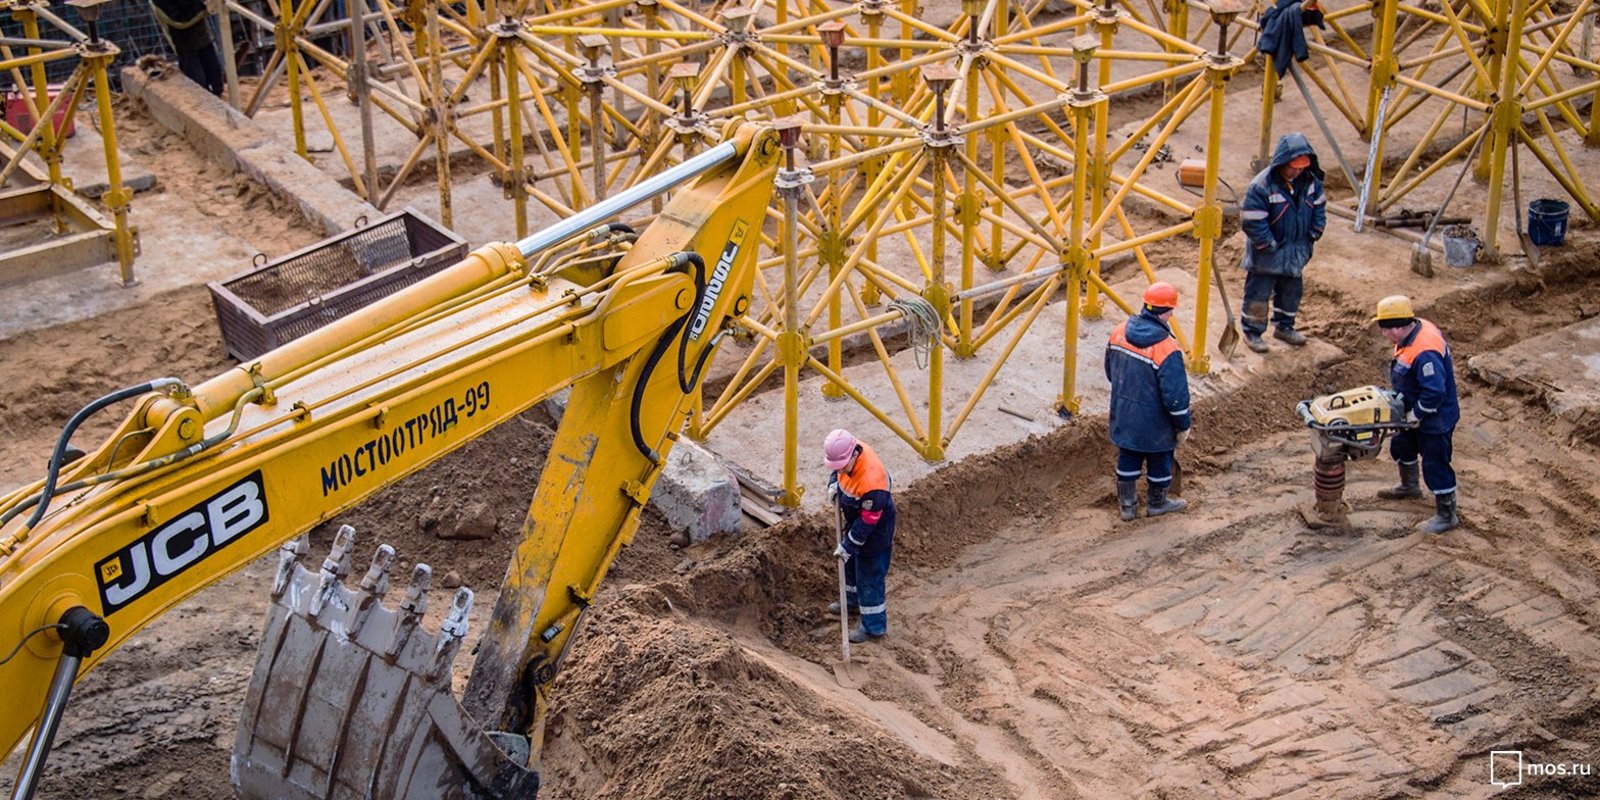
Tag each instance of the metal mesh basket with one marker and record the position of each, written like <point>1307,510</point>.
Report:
<point>279,301</point>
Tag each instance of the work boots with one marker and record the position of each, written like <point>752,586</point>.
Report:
<point>1253,341</point>
<point>1159,504</point>
<point>1444,514</point>
<point>833,608</point>
<point>859,634</point>
<point>1289,335</point>
<point>1409,486</point>
<point>1128,499</point>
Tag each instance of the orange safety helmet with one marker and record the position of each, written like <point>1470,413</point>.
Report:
<point>1161,295</point>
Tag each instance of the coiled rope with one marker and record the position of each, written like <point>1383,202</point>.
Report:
<point>923,326</point>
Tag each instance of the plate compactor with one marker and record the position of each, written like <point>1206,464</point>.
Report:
<point>1347,426</point>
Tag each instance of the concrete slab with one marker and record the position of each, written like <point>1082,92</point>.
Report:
<point>697,493</point>
<point>1561,368</point>
<point>168,261</point>
<point>84,162</point>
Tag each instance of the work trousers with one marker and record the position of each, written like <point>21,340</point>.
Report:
<point>202,67</point>
<point>1434,449</point>
<point>1279,293</point>
<point>1132,463</point>
<point>865,575</point>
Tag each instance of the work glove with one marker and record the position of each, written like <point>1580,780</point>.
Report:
<point>833,493</point>
<point>1182,437</point>
<point>841,553</point>
<point>1412,418</point>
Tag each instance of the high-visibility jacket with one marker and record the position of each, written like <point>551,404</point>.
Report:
<point>864,494</point>
<point>1149,388</point>
<point>1424,375</point>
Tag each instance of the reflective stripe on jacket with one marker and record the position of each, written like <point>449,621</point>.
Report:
<point>864,493</point>
<point>1425,376</point>
<point>1149,388</point>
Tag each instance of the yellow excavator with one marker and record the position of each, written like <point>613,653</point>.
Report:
<point>351,698</point>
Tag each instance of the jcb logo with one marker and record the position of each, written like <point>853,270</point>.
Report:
<point>154,558</point>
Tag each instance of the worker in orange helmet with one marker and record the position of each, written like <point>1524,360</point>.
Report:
<point>1149,403</point>
<point>861,486</point>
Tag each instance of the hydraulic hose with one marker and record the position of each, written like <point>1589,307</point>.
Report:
<point>84,413</point>
<point>686,385</point>
<point>141,468</point>
<point>679,261</point>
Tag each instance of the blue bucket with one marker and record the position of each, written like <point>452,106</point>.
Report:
<point>1547,222</point>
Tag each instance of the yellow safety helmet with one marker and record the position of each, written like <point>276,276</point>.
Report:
<point>1395,306</point>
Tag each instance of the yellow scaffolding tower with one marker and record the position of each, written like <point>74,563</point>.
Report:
<point>919,152</point>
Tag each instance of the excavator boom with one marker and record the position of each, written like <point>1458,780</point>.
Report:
<point>195,484</point>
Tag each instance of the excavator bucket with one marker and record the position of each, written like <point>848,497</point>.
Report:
<point>353,700</point>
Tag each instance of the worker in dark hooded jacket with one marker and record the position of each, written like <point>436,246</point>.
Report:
<point>183,22</point>
<point>1284,213</point>
<point>1149,402</point>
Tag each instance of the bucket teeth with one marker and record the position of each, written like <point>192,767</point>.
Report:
<point>376,581</point>
<point>351,699</point>
<point>451,632</point>
<point>289,555</point>
<point>415,603</point>
<point>373,586</point>
<point>337,563</point>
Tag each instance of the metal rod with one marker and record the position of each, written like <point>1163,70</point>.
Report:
<point>1372,160</point>
<point>1311,103</point>
<point>360,74</point>
<point>230,66</point>
<point>612,206</point>
<point>55,704</point>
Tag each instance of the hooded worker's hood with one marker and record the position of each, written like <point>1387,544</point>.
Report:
<point>1295,144</point>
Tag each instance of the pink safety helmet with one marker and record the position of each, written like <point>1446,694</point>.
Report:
<point>838,448</point>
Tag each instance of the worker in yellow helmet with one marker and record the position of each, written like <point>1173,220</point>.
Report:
<point>1149,402</point>
<point>1425,377</point>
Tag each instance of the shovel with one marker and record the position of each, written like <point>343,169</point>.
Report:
<point>1228,342</point>
<point>1529,249</point>
<point>847,674</point>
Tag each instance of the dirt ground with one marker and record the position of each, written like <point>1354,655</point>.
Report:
<point>1039,650</point>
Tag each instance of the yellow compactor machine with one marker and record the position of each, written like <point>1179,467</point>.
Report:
<point>350,698</point>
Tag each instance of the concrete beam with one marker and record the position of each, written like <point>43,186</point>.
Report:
<point>225,136</point>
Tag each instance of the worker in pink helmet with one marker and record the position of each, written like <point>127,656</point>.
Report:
<point>860,485</point>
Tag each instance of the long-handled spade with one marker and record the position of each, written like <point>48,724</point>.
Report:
<point>1529,249</point>
<point>1228,342</point>
<point>849,675</point>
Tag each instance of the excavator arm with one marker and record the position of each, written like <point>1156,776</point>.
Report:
<point>197,483</point>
